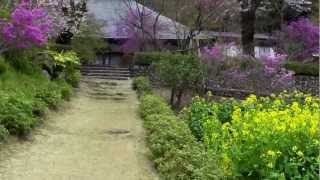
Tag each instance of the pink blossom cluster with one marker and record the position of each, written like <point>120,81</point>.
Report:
<point>303,32</point>
<point>54,12</point>
<point>140,26</point>
<point>213,52</point>
<point>272,63</point>
<point>263,74</point>
<point>27,26</point>
<point>273,68</point>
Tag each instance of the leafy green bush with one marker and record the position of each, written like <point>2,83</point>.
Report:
<point>176,153</point>
<point>147,58</point>
<point>3,66</point>
<point>64,59</point>
<point>303,68</point>
<point>24,98</point>
<point>16,113</point>
<point>261,138</point>
<point>67,62</point>
<point>72,76</point>
<point>3,133</point>
<point>21,61</point>
<point>50,95</point>
<point>39,107</point>
<point>180,72</point>
<point>141,85</point>
<point>66,90</point>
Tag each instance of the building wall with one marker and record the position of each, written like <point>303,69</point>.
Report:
<point>233,51</point>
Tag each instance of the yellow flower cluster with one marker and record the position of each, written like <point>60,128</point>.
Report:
<point>263,130</point>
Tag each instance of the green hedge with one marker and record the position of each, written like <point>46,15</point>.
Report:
<point>147,58</point>
<point>176,152</point>
<point>142,85</point>
<point>301,68</point>
<point>3,66</point>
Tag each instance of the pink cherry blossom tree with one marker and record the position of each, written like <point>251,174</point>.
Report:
<point>141,27</point>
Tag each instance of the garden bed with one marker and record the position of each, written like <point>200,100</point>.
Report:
<point>271,137</point>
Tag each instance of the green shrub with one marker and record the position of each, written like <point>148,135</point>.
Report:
<point>151,104</point>
<point>147,58</point>
<point>66,91</point>
<point>303,68</point>
<point>73,77</point>
<point>24,98</point>
<point>141,85</point>
<point>51,96</point>
<point>39,108</point>
<point>67,63</point>
<point>3,66</point>
<point>22,61</point>
<point>176,153</point>
<point>16,113</point>
<point>180,72</point>
<point>3,133</point>
<point>273,137</point>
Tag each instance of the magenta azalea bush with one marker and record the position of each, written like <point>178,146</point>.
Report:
<point>212,52</point>
<point>28,26</point>
<point>301,39</point>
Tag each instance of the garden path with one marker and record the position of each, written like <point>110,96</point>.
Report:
<point>97,136</point>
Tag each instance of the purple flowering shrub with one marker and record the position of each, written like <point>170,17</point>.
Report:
<point>279,77</point>
<point>212,52</point>
<point>263,75</point>
<point>300,39</point>
<point>27,27</point>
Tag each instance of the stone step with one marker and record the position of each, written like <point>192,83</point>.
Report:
<point>109,77</point>
<point>104,68</point>
<point>107,74</point>
<point>105,71</point>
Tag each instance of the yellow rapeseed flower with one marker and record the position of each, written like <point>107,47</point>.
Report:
<point>271,153</point>
<point>300,153</point>
<point>270,165</point>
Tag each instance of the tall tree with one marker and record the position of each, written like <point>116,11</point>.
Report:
<point>141,25</point>
<point>248,20</point>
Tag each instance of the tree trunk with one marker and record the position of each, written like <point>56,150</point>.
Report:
<point>179,98</point>
<point>65,37</point>
<point>173,93</point>
<point>248,19</point>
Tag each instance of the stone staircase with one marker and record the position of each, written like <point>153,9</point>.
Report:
<point>105,72</point>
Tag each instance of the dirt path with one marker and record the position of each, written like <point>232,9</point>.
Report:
<point>99,136</point>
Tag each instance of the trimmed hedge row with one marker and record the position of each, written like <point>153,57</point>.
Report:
<point>301,68</point>
<point>147,58</point>
<point>176,152</point>
<point>142,85</point>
